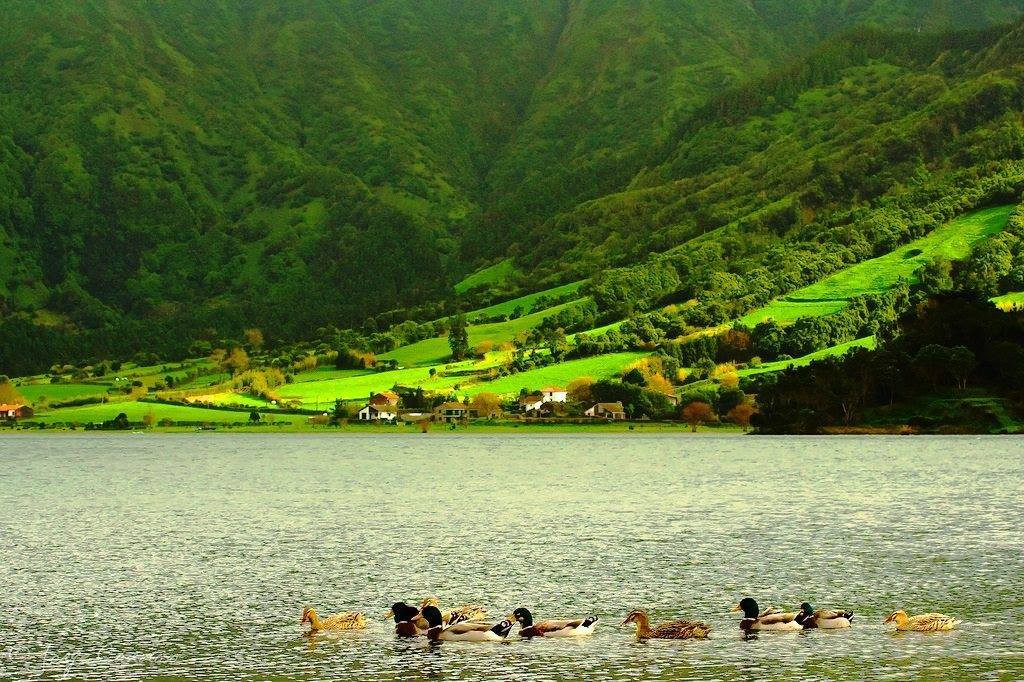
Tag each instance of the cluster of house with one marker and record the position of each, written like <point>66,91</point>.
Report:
<point>12,411</point>
<point>549,402</point>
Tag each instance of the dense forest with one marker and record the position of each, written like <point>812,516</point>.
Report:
<point>174,174</point>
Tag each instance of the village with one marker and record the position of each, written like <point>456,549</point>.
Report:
<point>550,403</point>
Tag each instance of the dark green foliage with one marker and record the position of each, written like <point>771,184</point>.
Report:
<point>174,173</point>
<point>458,337</point>
<point>637,401</point>
<point>943,346</point>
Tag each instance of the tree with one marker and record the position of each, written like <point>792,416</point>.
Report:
<point>458,337</point>
<point>961,364</point>
<point>486,404</point>
<point>483,348</point>
<point>254,337</point>
<point>236,361</point>
<point>579,391</point>
<point>698,412</point>
<point>255,416</point>
<point>8,393</point>
<point>149,419</point>
<point>634,376</point>
<point>659,384</point>
<point>741,415</point>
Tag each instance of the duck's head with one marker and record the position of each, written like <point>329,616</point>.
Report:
<point>432,614</point>
<point>430,601</point>
<point>748,607</point>
<point>807,609</point>
<point>401,612</point>
<point>522,616</point>
<point>308,614</point>
<point>635,616</point>
<point>895,617</point>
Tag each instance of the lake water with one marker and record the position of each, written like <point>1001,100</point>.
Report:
<point>192,555</point>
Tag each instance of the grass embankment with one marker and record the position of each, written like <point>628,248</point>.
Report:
<point>1011,301</point>
<point>434,351</point>
<point>136,411</point>
<point>495,275</point>
<point>953,240</point>
<point>779,365</point>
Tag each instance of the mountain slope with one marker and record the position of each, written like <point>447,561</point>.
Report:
<point>177,172</point>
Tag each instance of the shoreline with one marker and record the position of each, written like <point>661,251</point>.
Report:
<point>680,429</point>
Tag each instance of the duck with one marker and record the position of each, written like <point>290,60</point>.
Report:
<point>825,619</point>
<point>405,620</point>
<point>674,629</point>
<point>459,614</point>
<point>577,627</point>
<point>753,621</point>
<point>353,620</point>
<point>465,631</point>
<point>926,622</point>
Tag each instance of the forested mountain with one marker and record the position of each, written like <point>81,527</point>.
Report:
<point>183,170</point>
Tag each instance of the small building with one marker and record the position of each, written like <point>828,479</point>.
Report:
<point>450,413</point>
<point>554,394</point>
<point>384,398</point>
<point>15,411</point>
<point>386,365</point>
<point>606,411</point>
<point>378,413</point>
<point>530,403</point>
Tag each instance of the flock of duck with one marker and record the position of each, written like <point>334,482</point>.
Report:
<point>469,623</point>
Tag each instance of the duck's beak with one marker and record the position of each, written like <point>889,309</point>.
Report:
<point>389,615</point>
<point>624,622</point>
<point>736,609</point>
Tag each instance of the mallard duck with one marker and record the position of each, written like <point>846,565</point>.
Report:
<point>753,621</point>
<point>578,627</point>
<point>456,615</point>
<point>674,629</point>
<point>464,632</point>
<point>338,621</point>
<point>824,619</point>
<point>405,620</point>
<point>926,622</point>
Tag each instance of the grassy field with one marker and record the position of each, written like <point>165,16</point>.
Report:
<point>841,349</point>
<point>597,367</point>
<point>136,411</point>
<point>60,392</point>
<point>499,273</point>
<point>1010,301</point>
<point>525,302</point>
<point>434,351</point>
<point>953,240</point>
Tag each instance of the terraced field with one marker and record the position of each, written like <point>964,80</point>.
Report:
<point>597,367</point>
<point>953,240</point>
<point>436,350</point>
<point>779,365</point>
<point>61,392</point>
<point>137,410</point>
<point>499,273</point>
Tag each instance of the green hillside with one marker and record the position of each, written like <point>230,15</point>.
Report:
<point>173,174</point>
<point>952,241</point>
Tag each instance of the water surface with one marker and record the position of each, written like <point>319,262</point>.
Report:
<point>192,555</point>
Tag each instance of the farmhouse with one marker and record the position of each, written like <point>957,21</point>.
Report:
<point>607,411</point>
<point>452,412</point>
<point>554,394</point>
<point>374,413</point>
<point>15,411</point>
<point>384,398</point>
<point>530,403</point>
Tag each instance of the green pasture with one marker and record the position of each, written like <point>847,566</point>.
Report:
<point>496,274</point>
<point>779,365</point>
<point>954,241</point>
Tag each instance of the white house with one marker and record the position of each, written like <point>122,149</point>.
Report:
<point>452,412</point>
<point>554,394</point>
<point>607,411</point>
<point>531,403</point>
<point>372,413</point>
